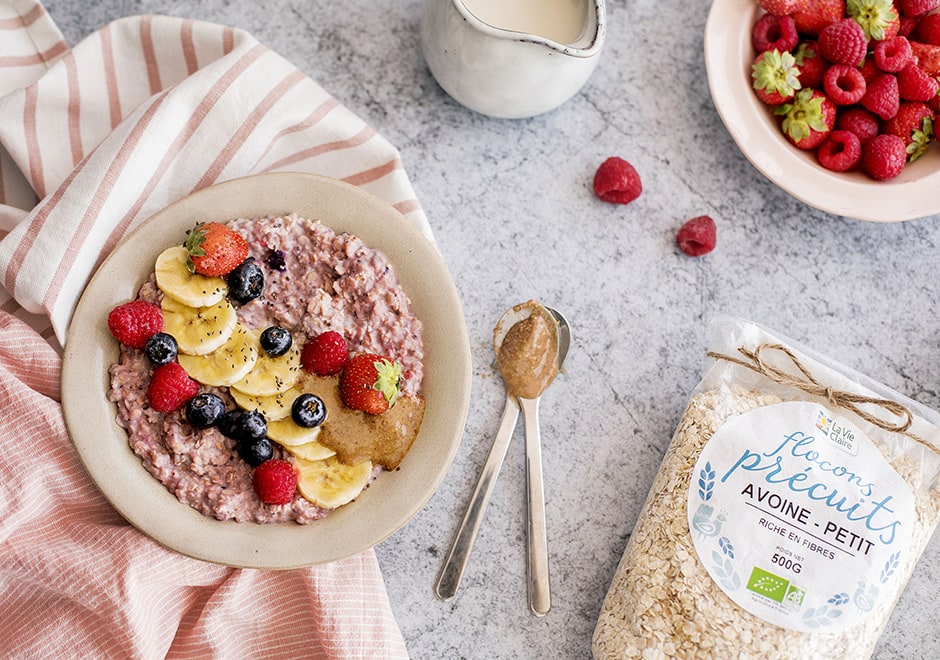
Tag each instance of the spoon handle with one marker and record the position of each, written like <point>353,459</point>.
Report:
<point>540,599</point>
<point>452,572</point>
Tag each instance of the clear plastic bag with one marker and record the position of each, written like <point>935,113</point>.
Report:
<point>786,517</point>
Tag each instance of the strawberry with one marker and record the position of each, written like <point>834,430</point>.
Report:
<point>810,63</point>
<point>843,42</point>
<point>882,96</point>
<point>782,7</point>
<point>817,15</point>
<point>134,322</point>
<point>916,7</point>
<point>892,55</point>
<point>775,77</point>
<point>928,29</point>
<point>697,236</point>
<point>616,181</point>
<point>774,32</point>
<point>841,152</point>
<point>927,57</point>
<point>370,383</point>
<point>914,124</point>
<point>214,249</point>
<point>915,85</point>
<point>170,388</point>
<point>325,354</point>
<point>807,119</point>
<point>275,481</point>
<point>883,157</point>
<point>878,18</point>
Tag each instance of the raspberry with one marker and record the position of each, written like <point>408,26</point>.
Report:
<point>928,29</point>
<point>915,85</point>
<point>275,481</point>
<point>617,182</point>
<point>697,236</point>
<point>859,121</point>
<point>892,55</point>
<point>774,32</point>
<point>844,84</point>
<point>325,354</point>
<point>170,388</point>
<point>916,7</point>
<point>133,323</point>
<point>843,42</point>
<point>841,152</point>
<point>882,96</point>
<point>883,157</point>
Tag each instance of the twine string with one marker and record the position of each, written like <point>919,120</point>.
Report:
<point>802,379</point>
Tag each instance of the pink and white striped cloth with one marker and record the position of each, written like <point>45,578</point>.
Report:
<point>93,140</point>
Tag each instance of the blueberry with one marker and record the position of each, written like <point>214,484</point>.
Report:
<point>229,423</point>
<point>276,340</point>
<point>308,410</point>
<point>276,260</point>
<point>161,348</point>
<point>204,410</point>
<point>255,451</point>
<point>251,426</point>
<point>246,282</point>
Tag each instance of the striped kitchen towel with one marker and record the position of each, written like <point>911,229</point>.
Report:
<point>93,140</point>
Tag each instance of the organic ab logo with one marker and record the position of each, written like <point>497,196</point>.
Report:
<point>775,588</point>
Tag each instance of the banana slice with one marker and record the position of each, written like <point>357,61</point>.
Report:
<point>176,280</point>
<point>311,451</point>
<point>274,407</point>
<point>288,433</point>
<point>271,375</point>
<point>199,330</point>
<point>330,484</point>
<point>227,364</point>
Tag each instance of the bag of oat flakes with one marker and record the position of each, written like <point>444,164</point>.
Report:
<point>787,515</point>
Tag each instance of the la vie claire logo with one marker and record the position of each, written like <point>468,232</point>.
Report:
<point>840,436</point>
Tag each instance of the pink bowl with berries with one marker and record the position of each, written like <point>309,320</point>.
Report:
<point>729,55</point>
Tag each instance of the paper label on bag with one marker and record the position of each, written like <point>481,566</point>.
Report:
<point>798,518</point>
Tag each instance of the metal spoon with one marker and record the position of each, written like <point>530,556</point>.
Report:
<point>449,579</point>
<point>539,590</point>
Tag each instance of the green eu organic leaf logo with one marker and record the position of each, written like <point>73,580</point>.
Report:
<point>767,584</point>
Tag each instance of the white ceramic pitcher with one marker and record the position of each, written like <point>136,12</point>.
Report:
<point>504,72</point>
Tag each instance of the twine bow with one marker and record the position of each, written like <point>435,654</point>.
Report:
<point>805,381</point>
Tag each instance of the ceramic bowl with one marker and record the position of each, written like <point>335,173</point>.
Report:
<point>392,499</point>
<point>728,59</point>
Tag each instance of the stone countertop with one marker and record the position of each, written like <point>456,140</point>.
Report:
<point>511,206</point>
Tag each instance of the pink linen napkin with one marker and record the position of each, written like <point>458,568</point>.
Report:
<point>93,140</point>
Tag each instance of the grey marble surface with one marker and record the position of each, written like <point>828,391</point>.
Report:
<point>511,206</point>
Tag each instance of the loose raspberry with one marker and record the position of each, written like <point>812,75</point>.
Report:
<point>843,42</point>
<point>810,63</point>
<point>774,76</point>
<point>883,157</point>
<point>325,354</point>
<point>892,55</point>
<point>916,7</point>
<point>844,84</point>
<point>170,388</point>
<point>914,124</point>
<point>860,121</point>
<point>774,33</point>
<point>275,481</point>
<point>697,236</point>
<point>617,182</point>
<point>133,323</point>
<point>928,29</point>
<point>841,152</point>
<point>915,85</point>
<point>882,96</point>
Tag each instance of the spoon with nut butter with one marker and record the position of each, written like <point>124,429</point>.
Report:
<point>531,343</point>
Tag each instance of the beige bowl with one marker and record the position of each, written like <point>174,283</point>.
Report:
<point>728,59</point>
<point>392,500</point>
